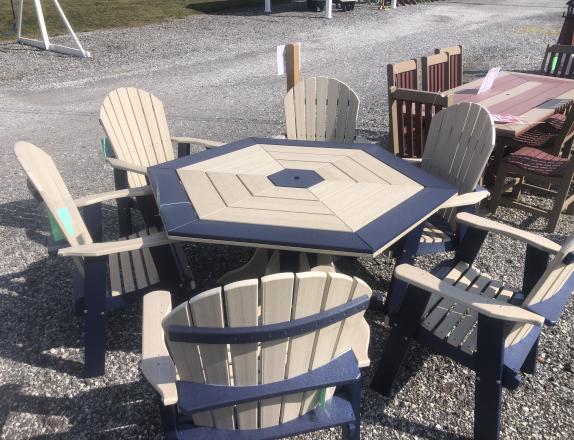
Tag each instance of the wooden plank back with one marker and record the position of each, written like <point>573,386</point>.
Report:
<point>436,72</point>
<point>411,114</point>
<point>46,178</point>
<point>276,298</point>
<point>558,61</point>
<point>456,64</point>
<point>135,122</point>
<point>403,75</point>
<point>322,109</point>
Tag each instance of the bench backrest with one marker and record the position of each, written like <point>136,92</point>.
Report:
<point>46,178</point>
<point>558,61</point>
<point>274,299</point>
<point>455,63</point>
<point>411,114</point>
<point>435,73</point>
<point>322,109</point>
<point>135,123</point>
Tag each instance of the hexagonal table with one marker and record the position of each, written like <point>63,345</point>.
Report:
<point>319,197</point>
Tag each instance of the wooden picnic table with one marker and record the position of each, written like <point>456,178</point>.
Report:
<point>302,196</point>
<point>531,98</point>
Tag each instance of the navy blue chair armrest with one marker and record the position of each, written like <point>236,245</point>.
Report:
<point>195,397</point>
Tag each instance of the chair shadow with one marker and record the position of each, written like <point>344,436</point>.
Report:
<point>37,302</point>
<point>98,413</point>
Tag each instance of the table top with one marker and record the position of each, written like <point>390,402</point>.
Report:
<point>532,98</point>
<point>324,197</point>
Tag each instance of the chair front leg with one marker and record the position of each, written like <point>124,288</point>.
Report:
<point>405,255</point>
<point>95,283</point>
<point>352,431</point>
<point>488,388</point>
<point>123,204</point>
<point>403,328</point>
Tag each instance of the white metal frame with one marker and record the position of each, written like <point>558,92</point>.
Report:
<point>45,42</point>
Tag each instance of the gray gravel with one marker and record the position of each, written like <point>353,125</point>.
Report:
<point>215,75</point>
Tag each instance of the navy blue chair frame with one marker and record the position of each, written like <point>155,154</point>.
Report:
<point>91,296</point>
<point>342,410</point>
<point>495,365</point>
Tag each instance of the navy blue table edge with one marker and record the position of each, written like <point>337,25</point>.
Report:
<point>181,220</point>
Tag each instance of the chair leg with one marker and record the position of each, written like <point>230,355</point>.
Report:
<point>169,420</point>
<point>403,328</point>
<point>498,187</point>
<point>489,368</point>
<point>352,431</point>
<point>124,217</point>
<point>95,319</point>
<point>529,365</point>
<point>558,204</point>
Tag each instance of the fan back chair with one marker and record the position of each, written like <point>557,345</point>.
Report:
<point>134,265</point>
<point>462,313</point>
<point>259,358</point>
<point>136,126</point>
<point>321,109</point>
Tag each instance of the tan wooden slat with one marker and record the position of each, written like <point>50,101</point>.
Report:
<point>276,296</point>
<point>352,114</point>
<point>272,204</point>
<point>301,165</point>
<point>229,187</point>
<point>308,299</point>
<point>115,280</point>
<point>139,268</point>
<point>289,107</point>
<point>357,171</point>
<point>310,108</point>
<point>205,198</point>
<point>279,218</point>
<point>156,142</point>
<point>146,144</point>
<point>127,273</point>
<point>151,269</point>
<point>280,192</point>
<point>385,172</point>
<point>329,188</point>
<point>162,128</point>
<point>241,305</point>
<point>321,121</point>
<point>273,264</point>
<point>255,183</point>
<point>331,117</point>
<point>339,290</point>
<point>331,172</point>
<point>342,112</point>
<point>186,356</point>
<point>314,151</point>
<point>250,160</point>
<point>304,155</point>
<point>300,120</point>
<point>207,311</point>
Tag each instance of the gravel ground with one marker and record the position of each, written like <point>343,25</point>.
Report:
<point>215,75</point>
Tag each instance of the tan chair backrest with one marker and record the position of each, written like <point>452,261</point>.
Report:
<point>274,299</point>
<point>134,121</point>
<point>459,143</point>
<point>456,64</point>
<point>321,109</point>
<point>45,177</point>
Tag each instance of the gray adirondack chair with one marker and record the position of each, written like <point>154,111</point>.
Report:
<point>251,388</point>
<point>136,125</point>
<point>462,313</point>
<point>321,109</point>
<point>129,264</point>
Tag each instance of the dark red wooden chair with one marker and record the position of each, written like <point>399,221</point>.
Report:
<point>435,73</point>
<point>455,64</point>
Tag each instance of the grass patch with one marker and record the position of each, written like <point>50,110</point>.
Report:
<point>89,15</point>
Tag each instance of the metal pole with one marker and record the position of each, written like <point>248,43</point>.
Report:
<point>328,8</point>
<point>268,6</point>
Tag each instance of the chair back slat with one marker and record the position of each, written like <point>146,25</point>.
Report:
<point>321,109</point>
<point>403,75</point>
<point>558,61</point>
<point>435,73</point>
<point>135,122</point>
<point>455,62</point>
<point>46,178</point>
<point>276,301</point>
<point>241,306</point>
<point>409,123</point>
<point>278,298</point>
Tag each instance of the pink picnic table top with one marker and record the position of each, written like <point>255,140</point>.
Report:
<point>532,98</point>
